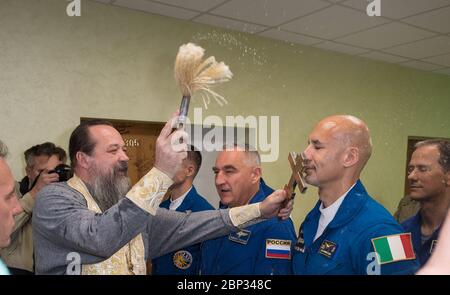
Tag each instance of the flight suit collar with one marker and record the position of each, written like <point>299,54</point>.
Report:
<point>352,204</point>
<point>262,193</point>
<point>350,207</point>
<point>424,250</point>
<point>414,228</point>
<point>309,227</point>
<point>187,203</point>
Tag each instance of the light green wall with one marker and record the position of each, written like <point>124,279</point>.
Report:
<point>117,63</point>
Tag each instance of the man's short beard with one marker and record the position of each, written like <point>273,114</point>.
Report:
<point>108,188</point>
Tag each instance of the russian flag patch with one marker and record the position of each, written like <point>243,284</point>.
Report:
<point>279,249</point>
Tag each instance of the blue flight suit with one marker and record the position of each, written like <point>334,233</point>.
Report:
<point>184,261</point>
<point>344,245</point>
<point>252,250</point>
<point>423,252</point>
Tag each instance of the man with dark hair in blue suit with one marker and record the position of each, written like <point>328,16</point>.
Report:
<point>183,197</point>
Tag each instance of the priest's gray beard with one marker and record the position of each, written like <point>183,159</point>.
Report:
<point>109,187</point>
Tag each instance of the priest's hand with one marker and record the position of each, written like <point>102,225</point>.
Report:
<point>171,148</point>
<point>276,205</point>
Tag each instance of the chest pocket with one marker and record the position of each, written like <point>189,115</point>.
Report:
<point>241,265</point>
<point>238,252</point>
<point>236,259</point>
<point>320,264</point>
<point>330,255</point>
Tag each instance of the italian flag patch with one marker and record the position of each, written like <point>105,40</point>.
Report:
<point>394,248</point>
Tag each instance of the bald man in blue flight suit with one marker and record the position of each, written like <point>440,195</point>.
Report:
<point>347,232</point>
<point>429,184</point>
<point>183,197</point>
<point>264,248</point>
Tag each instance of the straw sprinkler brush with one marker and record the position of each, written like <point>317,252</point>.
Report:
<point>193,74</point>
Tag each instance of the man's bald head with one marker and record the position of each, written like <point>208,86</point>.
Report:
<point>352,132</point>
<point>338,149</point>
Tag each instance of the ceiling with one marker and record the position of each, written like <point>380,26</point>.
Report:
<point>413,33</point>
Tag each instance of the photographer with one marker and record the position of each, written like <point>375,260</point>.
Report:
<point>41,160</point>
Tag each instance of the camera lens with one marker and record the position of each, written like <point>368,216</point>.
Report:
<point>64,172</point>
